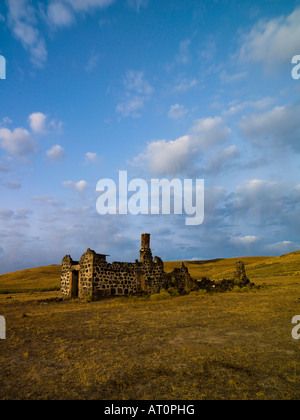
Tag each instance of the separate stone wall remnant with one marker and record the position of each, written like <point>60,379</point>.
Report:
<point>239,279</point>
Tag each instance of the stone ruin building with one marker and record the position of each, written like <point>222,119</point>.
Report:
<point>94,277</point>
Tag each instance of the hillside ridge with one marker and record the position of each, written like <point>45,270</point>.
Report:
<point>47,278</point>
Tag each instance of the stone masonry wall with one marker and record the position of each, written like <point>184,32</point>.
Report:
<point>86,264</point>
<point>65,276</point>
<point>154,277</point>
<point>94,276</point>
<point>126,278</point>
<point>181,279</point>
<point>114,279</point>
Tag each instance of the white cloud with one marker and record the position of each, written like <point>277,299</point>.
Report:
<point>130,107</point>
<point>259,201</point>
<point>244,240</point>
<point>79,186</point>
<point>91,158</point>
<point>272,42</point>
<point>17,142</point>
<point>59,14</point>
<point>207,132</point>
<point>282,247</point>
<point>221,159</point>
<point>177,156</point>
<point>56,153</point>
<point>135,81</point>
<point>177,111</point>
<point>167,157</point>
<point>37,122</point>
<point>261,188</point>
<point>279,126</point>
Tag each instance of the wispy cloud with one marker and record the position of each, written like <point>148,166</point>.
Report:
<point>232,77</point>
<point>177,111</point>
<point>236,107</point>
<point>59,14</point>
<point>137,91</point>
<point>91,158</point>
<point>24,18</point>
<point>79,186</point>
<point>272,42</point>
<point>184,84</point>
<point>23,21</point>
<point>184,56</point>
<point>244,240</point>
<point>137,4</point>
<point>86,5</point>
<point>279,126</point>
<point>11,185</point>
<point>92,62</point>
<point>221,160</point>
<point>56,153</point>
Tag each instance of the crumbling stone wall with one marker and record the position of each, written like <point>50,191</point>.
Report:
<point>98,278</point>
<point>154,277</point>
<point>239,279</point>
<point>86,265</point>
<point>181,280</point>
<point>65,276</point>
<point>94,276</point>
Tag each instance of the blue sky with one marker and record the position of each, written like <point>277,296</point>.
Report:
<point>187,89</point>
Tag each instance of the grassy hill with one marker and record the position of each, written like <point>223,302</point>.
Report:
<point>48,278</point>
<point>198,346</point>
<point>33,279</point>
<point>256,267</point>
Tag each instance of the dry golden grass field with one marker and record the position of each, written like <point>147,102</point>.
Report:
<point>233,345</point>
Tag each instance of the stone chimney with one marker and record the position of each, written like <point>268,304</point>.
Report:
<point>146,240</point>
<point>145,252</point>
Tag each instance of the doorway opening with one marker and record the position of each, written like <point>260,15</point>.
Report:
<point>74,286</point>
